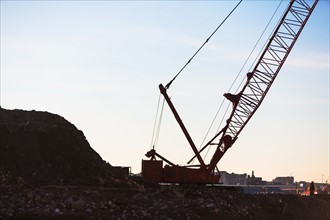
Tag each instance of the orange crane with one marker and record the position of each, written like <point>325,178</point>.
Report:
<point>245,103</point>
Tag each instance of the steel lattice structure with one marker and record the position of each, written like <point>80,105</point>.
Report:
<point>259,81</point>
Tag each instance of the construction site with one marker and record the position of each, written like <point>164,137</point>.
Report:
<point>35,184</point>
<point>48,169</point>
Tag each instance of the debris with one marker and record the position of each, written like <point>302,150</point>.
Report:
<point>78,205</point>
<point>41,177</point>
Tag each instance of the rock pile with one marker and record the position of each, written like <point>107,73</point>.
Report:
<point>165,202</point>
<point>41,148</point>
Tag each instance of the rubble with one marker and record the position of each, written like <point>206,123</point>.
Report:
<point>196,202</point>
<point>41,177</point>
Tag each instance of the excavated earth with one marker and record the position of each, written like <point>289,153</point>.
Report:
<point>49,171</point>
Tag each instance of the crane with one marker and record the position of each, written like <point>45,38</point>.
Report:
<point>244,104</point>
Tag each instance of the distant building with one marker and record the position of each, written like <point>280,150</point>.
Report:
<point>252,180</point>
<point>232,178</point>
<point>286,181</point>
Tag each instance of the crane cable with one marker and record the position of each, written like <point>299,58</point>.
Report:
<point>159,116</point>
<point>156,131</point>
<point>254,62</point>
<point>169,83</point>
<point>216,115</point>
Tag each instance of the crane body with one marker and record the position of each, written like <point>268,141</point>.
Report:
<point>245,103</point>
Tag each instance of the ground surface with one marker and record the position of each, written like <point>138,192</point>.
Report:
<point>165,202</point>
<point>49,171</point>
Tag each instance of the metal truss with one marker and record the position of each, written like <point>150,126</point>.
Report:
<point>259,81</point>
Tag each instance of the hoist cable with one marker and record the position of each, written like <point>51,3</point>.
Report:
<point>208,131</point>
<point>223,117</point>
<point>263,32</point>
<point>169,84</point>
<point>154,138</point>
<point>216,115</point>
<point>155,123</point>
<point>159,124</point>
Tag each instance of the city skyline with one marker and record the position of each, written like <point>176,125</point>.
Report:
<point>323,181</point>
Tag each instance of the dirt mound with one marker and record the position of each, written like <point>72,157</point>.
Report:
<point>41,148</point>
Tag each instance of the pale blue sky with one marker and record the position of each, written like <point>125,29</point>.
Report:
<point>99,63</point>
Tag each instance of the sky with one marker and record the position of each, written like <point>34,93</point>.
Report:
<point>99,63</point>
